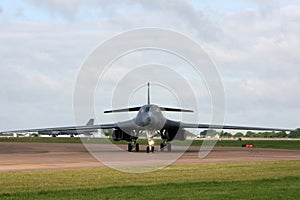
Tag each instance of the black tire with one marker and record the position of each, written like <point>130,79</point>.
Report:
<point>129,148</point>
<point>152,149</point>
<point>137,147</point>
<point>147,149</point>
<point>162,146</point>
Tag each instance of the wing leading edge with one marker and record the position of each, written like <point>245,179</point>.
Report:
<point>231,127</point>
<point>117,125</point>
<point>67,128</point>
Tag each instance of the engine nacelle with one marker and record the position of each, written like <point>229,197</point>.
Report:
<point>171,134</point>
<point>118,135</point>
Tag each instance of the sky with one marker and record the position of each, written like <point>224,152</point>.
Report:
<point>254,45</point>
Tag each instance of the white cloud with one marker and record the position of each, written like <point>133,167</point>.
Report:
<point>256,51</point>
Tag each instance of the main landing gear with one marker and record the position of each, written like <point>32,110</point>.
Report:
<point>133,146</point>
<point>136,147</point>
<point>165,146</point>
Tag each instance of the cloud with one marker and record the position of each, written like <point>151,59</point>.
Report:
<point>251,41</point>
<point>175,14</point>
<point>267,7</point>
<point>258,59</point>
<point>64,8</point>
<point>256,51</point>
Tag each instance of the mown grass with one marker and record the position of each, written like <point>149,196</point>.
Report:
<point>253,180</point>
<point>280,144</point>
<point>282,188</point>
<point>276,144</point>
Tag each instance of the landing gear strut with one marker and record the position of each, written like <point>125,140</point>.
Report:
<point>165,146</point>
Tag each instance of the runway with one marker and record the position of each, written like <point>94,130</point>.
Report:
<point>16,156</point>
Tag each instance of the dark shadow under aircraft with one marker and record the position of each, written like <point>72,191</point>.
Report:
<point>149,119</point>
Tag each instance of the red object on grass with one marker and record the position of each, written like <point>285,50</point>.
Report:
<point>250,145</point>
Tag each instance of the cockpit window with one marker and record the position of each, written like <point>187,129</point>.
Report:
<point>146,109</point>
<point>152,108</point>
<point>155,109</point>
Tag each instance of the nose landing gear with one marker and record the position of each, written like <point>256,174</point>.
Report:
<point>150,149</point>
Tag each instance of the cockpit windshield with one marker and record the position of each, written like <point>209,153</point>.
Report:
<point>146,108</point>
<point>151,107</point>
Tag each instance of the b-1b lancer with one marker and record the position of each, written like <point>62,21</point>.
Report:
<point>149,119</point>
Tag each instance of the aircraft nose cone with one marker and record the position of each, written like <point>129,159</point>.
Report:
<point>146,121</point>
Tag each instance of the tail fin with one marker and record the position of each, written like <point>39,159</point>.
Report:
<point>90,122</point>
<point>148,93</point>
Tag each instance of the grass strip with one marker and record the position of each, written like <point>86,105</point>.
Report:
<point>31,181</point>
<point>275,188</point>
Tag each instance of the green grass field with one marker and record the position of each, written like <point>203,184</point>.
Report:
<point>253,180</point>
<point>276,144</point>
<point>282,144</point>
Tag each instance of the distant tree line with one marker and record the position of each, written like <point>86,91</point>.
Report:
<point>272,134</point>
<point>251,134</point>
<point>294,134</point>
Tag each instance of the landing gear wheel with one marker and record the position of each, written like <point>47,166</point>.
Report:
<point>152,149</point>
<point>129,148</point>
<point>147,149</point>
<point>137,147</point>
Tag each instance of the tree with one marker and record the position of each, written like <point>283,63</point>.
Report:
<point>281,134</point>
<point>294,134</point>
<point>107,132</point>
<point>239,134</point>
<point>250,134</point>
<point>225,135</point>
<point>211,133</point>
<point>261,134</point>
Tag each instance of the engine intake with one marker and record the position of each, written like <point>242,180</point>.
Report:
<point>118,135</point>
<point>174,134</point>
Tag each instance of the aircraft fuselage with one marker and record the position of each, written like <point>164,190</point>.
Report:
<point>150,117</point>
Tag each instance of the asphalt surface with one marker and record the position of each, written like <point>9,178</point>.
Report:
<point>37,156</point>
